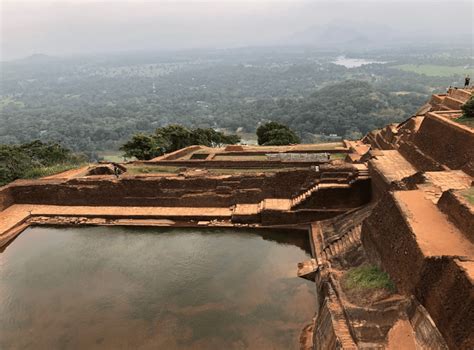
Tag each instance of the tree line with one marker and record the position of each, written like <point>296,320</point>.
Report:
<point>35,159</point>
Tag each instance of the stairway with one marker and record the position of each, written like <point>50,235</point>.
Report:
<point>362,171</point>
<point>344,243</point>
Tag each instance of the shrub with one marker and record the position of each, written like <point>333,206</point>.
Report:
<point>368,277</point>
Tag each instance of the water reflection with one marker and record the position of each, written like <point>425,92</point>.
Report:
<point>122,288</point>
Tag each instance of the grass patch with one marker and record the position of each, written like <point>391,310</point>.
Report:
<point>231,157</point>
<point>230,171</point>
<point>35,173</point>
<point>368,277</point>
<point>340,156</point>
<point>152,169</point>
<point>465,121</point>
<point>469,195</point>
<point>433,70</point>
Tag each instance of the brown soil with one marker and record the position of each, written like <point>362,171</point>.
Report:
<point>401,337</point>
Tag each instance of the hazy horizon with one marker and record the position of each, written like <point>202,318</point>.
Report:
<point>71,27</point>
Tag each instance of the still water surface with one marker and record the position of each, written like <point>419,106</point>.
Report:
<point>149,288</point>
<point>353,62</point>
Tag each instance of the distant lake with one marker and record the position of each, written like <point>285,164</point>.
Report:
<point>153,288</point>
<point>353,62</point>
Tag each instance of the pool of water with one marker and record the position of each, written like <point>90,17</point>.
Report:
<point>149,288</point>
<point>353,62</point>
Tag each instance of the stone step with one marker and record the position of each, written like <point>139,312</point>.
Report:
<point>307,269</point>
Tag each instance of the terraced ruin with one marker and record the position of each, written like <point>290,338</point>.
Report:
<point>396,204</point>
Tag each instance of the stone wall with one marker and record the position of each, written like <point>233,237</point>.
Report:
<point>218,191</point>
<point>447,142</point>
<point>441,284</point>
<point>324,336</point>
<point>388,242</point>
<point>6,198</point>
<point>181,153</point>
<point>426,334</point>
<point>446,291</point>
<point>417,158</point>
<point>336,198</point>
<point>238,164</point>
<point>459,212</point>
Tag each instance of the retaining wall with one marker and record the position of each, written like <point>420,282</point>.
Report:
<point>439,283</point>
<point>238,164</point>
<point>6,198</point>
<point>163,191</point>
<point>332,198</point>
<point>417,158</point>
<point>445,141</point>
<point>459,212</point>
<point>447,292</point>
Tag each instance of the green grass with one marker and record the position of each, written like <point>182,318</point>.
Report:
<point>368,277</point>
<point>435,70</point>
<point>49,170</point>
<point>341,156</point>
<point>466,121</point>
<point>469,195</point>
<point>152,169</point>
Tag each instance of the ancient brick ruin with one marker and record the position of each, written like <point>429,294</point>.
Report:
<point>398,199</point>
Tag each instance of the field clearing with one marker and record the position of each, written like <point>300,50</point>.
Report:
<point>7,100</point>
<point>113,156</point>
<point>433,70</point>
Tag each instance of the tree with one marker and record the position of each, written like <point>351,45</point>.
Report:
<point>171,138</point>
<point>175,136</point>
<point>468,108</point>
<point>13,163</point>
<point>274,133</point>
<point>144,147</point>
<point>35,159</point>
<point>212,138</point>
<point>281,137</point>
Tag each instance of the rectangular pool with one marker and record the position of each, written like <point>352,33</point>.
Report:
<point>153,288</point>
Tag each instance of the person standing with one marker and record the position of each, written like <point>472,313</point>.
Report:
<point>467,80</point>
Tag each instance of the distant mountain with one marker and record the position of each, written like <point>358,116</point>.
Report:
<point>38,57</point>
<point>347,34</point>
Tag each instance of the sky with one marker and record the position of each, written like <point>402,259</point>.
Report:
<point>65,27</point>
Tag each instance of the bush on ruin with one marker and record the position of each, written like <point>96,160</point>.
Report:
<point>468,108</point>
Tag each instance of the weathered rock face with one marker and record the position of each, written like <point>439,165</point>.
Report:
<point>6,198</point>
<point>172,191</point>
<point>459,211</point>
<point>103,169</point>
<point>446,142</point>
<point>199,191</point>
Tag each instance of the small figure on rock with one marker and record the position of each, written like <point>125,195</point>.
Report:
<point>467,80</point>
<point>116,170</point>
